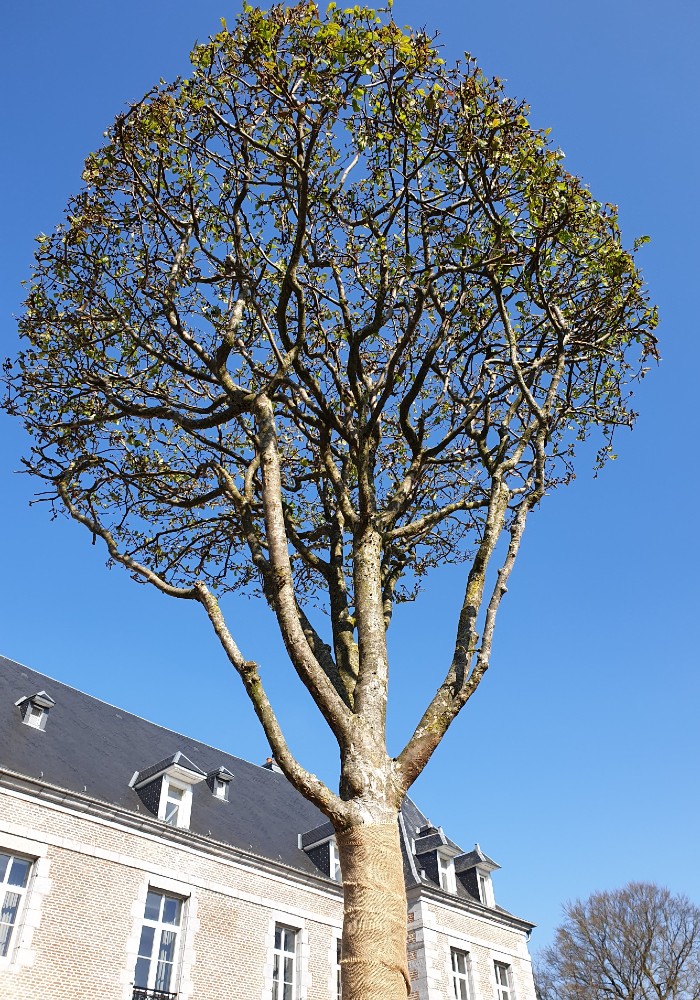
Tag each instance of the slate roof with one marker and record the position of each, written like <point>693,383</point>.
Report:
<point>94,749</point>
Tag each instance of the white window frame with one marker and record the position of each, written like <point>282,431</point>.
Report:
<point>280,956</point>
<point>159,928</point>
<point>459,976</point>
<point>185,805</point>
<point>20,952</point>
<point>485,887</point>
<point>334,964</point>
<point>294,922</point>
<point>35,717</point>
<point>446,872</point>
<point>334,861</point>
<point>16,890</point>
<point>189,927</point>
<point>503,991</point>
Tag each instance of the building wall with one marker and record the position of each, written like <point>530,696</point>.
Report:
<point>435,928</point>
<point>82,940</point>
<point>85,907</point>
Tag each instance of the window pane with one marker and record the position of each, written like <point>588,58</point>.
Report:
<point>10,906</point>
<point>163,973</point>
<point>146,943</point>
<point>502,977</point>
<point>276,980</point>
<point>5,935</point>
<point>19,872</point>
<point>289,970</point>
<point>287,994</point>
<point>4,861</point>
<point>171,911</point>
<point>167,947</point>
<point>175,794</point>
<point>141,974</point>
<point>278,937</point>
<point>153,905</point>
<point>171,811</point>
<point>289,940</point>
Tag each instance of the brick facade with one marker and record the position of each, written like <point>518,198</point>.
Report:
<point>80,931</point>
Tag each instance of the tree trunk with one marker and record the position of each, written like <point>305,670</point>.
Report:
<point>374,965</point>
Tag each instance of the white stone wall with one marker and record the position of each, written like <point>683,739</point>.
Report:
<point>435,928</point>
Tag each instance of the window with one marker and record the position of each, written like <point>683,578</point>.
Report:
<point>485,888</point>
<point>504,984</point>
<point>35,717</point>
<point>284,962</point>
<point>14,876</point>
<point>158,947</point>
<point>338,956</point>
<point>34,709</point>
<point>220,788</point>
<point>334,861</point>
<point>175,804</point>
<point>446,872</point>
<point>460,974</point>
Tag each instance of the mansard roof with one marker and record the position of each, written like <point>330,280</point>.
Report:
<point>93,749</point>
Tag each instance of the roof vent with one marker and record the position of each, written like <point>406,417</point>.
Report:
<point>34,709</point>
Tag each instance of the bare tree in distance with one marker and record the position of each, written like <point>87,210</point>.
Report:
<point>326,315</point>
<point>635,943</point>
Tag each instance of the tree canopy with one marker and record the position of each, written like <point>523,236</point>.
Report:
<point>326,314</point>
<point>326,239</point>
<point>635,943</point>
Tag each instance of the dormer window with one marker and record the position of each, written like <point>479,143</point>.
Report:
<point>446,872</point>
<point>165,789</point>
<point>219,782</point>
<point>435,856</point>
<point>321,847</point>
<point>334,861</point>
<point>474,873</point>
<point>34,709</point>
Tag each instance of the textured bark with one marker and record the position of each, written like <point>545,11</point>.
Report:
<point>374,964</point>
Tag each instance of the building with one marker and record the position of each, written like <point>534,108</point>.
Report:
<point>138,864</point>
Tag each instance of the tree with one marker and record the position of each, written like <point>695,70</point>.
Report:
<point>326,315</point>
<point>634,943</point>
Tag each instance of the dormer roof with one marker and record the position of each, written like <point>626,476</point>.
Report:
<point>177,766</point>
<point>41,699</point>
<point>318,835</point>
<point>475,859</point>
<point>432,838</point>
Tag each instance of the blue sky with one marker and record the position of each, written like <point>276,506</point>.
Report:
<point>575,765</point>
